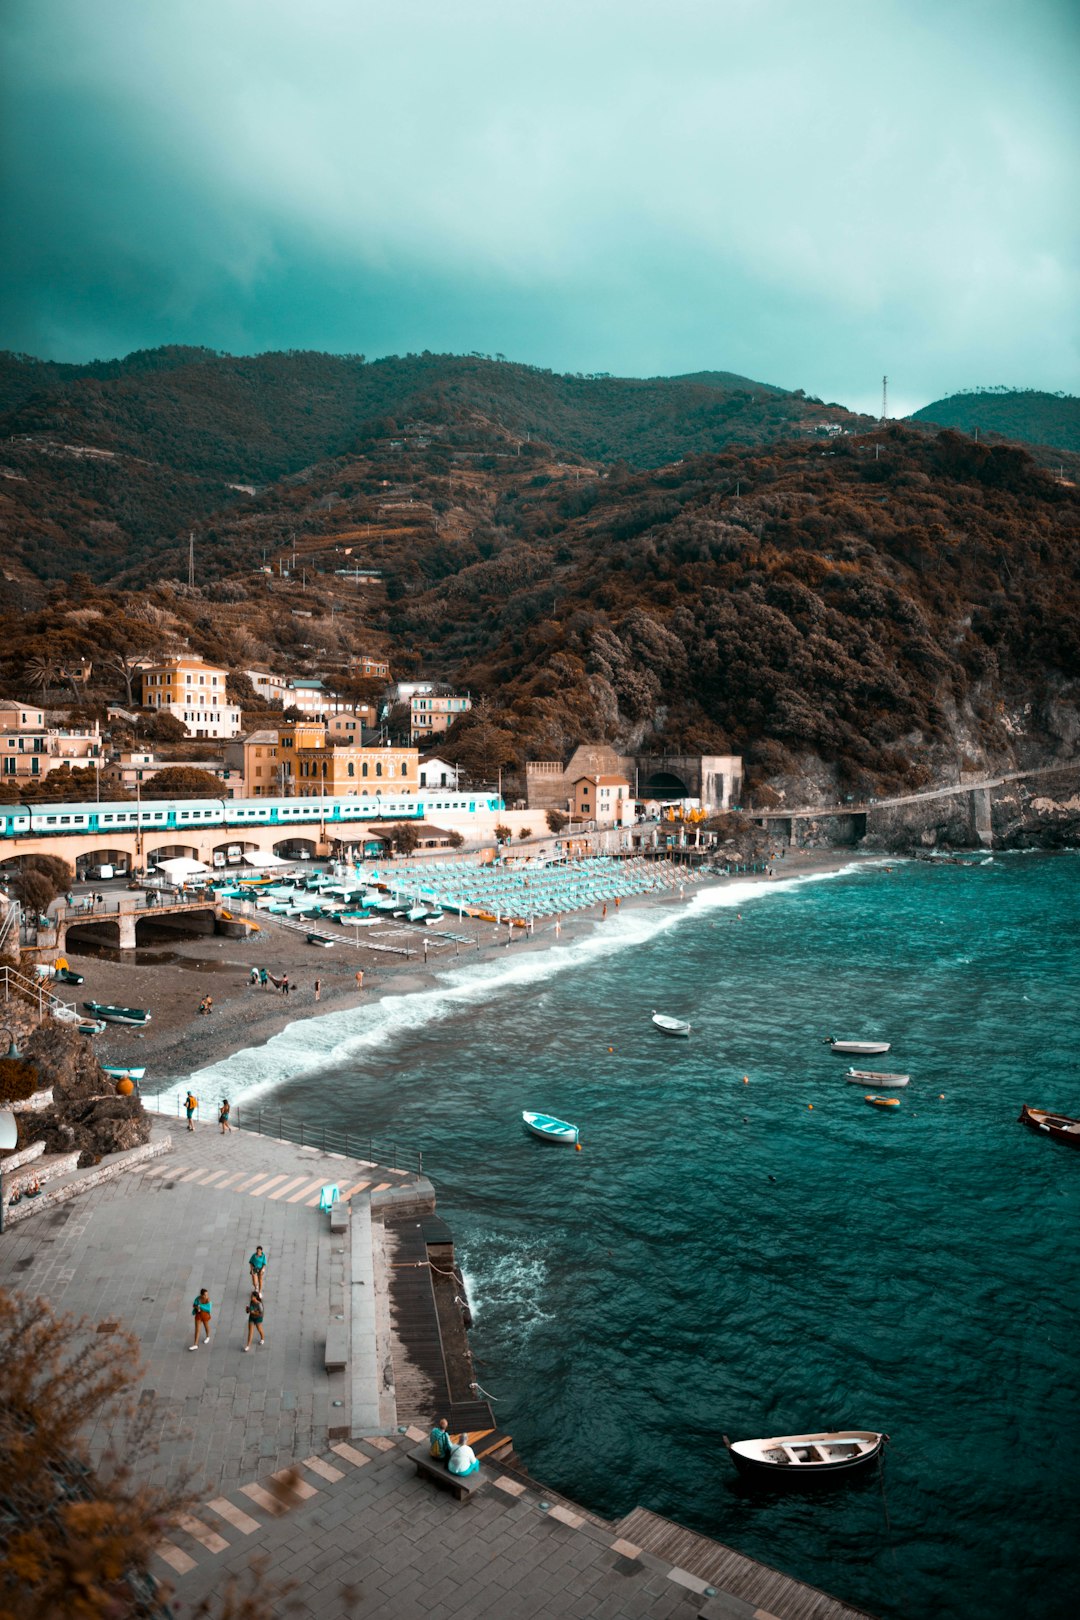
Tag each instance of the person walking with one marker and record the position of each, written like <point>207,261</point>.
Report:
<point>263,978</point>
<point>359,978</point>
<point>318,988</point>
<point>285,984</point>
<point>255,1320</point>
<point>257,1267</point>
<point>190,1105</point>
<point>201,1307</point>
<point>223,1115</point>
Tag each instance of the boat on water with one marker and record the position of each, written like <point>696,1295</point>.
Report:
<point>123,1071</point>
<point>806,1456</point>
<point>875,1077</point>
<point>117,1015</point>
<point>1060,1126</point>
<point>670,1026</point>
<point>883,1102</point>
<point>857,1048</point>
<point>550,1129</point>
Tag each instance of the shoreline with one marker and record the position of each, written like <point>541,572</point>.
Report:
<point>172,979</point>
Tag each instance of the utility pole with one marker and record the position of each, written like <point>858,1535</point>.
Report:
<point>884,400</point>
<point>191,558</point>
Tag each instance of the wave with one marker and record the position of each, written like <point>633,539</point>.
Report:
<point>313,1044</point>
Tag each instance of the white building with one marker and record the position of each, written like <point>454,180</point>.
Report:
<point>194,693</point>
<point>438,773</point>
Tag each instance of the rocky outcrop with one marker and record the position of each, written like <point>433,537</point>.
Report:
<point>86,1115</point>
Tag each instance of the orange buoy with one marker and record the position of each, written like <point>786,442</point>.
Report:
<point>746,1079</point>
<point>577,1147</point>
<point>810,1106</point>
<point>611,1049</point>
<point>125,1087</point>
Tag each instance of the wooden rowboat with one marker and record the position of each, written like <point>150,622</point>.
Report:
<point>670,1026</point>
<point>550,1129</point>
<point>857,1048</point>
<point>1059,1126</point>
<point>117,1015</point>
<point>806,1456</point>
<point>883,1102</point>
<point>871,1077</point>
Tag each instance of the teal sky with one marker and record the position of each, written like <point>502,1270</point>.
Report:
<point>810,192</point>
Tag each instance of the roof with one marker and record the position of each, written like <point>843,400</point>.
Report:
<point>261,737</point>
<point>603,781</point>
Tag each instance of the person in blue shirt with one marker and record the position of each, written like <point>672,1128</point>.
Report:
<point>441,1443</point>
<point>201,1306</point>
<point>257,1267</point>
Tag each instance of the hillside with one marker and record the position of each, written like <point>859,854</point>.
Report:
<point>185,427</point>
<point>1024,414</point>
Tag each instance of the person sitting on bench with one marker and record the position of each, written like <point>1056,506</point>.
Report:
<point>441,1443</point>
<point>463,1458</point>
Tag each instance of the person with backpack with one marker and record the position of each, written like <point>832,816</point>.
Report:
<point>190,1105</point>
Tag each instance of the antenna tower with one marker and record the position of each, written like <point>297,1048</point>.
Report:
<point>191,557</point>
<point>884,400</point>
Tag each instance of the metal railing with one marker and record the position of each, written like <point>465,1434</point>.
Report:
<point>14,983</point>
<point>270,1122</point>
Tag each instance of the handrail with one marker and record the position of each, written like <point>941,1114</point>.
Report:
<point>267,1122</point>
<point>29,990</point>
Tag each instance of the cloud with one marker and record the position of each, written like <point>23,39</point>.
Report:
<point>772,187</point>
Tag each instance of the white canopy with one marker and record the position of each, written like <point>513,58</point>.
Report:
<point>267,858</point>
<point>182,866</point>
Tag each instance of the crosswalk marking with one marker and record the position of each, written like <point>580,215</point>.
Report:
<point>350,1453</point>
<point>270,1181</point>
<point>288,1187</point>
<point>304,1192</point>
<point>233,1515</point>
<point>265,1499</point>
<point>292,1484</point>
<point>251,1180</point>
<point>213,1176</point>
<point>324,1469</point>
<point>202,1533</point>
<point>175,1557</point>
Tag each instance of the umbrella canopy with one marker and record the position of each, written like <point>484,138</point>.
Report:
<point>182,866</point>
<point>267,858</point>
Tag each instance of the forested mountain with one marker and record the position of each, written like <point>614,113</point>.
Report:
<point>1024,414</point>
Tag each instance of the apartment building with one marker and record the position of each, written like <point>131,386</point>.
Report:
<point>607,800</point>
<point>430,713</point>
<point>194,692</point>
<point>31,748</point>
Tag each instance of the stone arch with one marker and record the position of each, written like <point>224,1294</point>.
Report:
<point>663,785</point>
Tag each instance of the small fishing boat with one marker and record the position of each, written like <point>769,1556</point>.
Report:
<point>320,939</point>
<point>874,1077</point>
<point>550,1129</point>
<point>670,1026</point>
<point>805,1456</point>
<point>857,1048</point>
<point>117,1015</point>
<point>416,913</point>
<point>1059,1126</point>
<point>65,975</point>
<point>883,1102</point>
<point>122,1071</point>
<point>70,1015</point>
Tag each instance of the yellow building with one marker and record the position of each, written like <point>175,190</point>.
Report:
<point>340,771</point>
<point>194,692</point>
<point>256,762</point>
<point>430,714</point>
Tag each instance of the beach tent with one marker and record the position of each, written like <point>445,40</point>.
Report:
<point>264,858</point>
<point>181,867</point>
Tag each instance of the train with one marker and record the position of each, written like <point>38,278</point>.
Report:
<point>179,815</point>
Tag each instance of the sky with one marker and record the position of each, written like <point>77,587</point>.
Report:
<point>812,193</point>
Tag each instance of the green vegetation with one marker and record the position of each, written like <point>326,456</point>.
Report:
<point>1010,413</point>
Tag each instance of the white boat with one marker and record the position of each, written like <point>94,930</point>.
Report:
<point>122,1071</point>
<point>871,1077</point>
<point>670,1026</point>
<point>858,1048</point>
<point>550,1129</point>
<point>432,918</point>
<point>416,913</point>
<point>804,1456</point>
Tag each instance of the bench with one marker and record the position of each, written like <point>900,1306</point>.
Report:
<point>337,1347</point>
<point>429,1467</point>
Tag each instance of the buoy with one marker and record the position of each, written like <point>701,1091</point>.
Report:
<point>810,1106</point>
<point>611,1049</point>
<point>125,1086</point>
<point>941,1096</point>
<point>577,1147</point>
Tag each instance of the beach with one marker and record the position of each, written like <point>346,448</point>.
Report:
<point>171,979</point>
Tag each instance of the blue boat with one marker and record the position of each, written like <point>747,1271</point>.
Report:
<point>550,1129</point>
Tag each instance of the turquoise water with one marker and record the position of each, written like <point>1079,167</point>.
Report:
<point>726,1257</point>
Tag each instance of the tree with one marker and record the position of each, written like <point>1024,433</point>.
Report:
<point>556,820</point>
<point>454,839</point>
<point>162,727</point>
<point>524,832</point>
<point>404,837</point>
<point>239,690</point>
<point>182,782</point>
<point>79,1538</point>
<point>39,880</point>
<point>503,833</point>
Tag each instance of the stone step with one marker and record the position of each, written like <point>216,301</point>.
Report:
<point>63,1187</point>
<point>32,1150</point>
<point>46,1167</point>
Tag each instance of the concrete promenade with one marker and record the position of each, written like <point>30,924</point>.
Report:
<point>308,1466</point>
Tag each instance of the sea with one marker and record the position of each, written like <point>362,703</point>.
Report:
<point>743,1245</point>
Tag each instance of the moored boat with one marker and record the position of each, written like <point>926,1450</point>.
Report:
<point>1059,1126</point>
<point>874,1077</point>
<point>117,1015</point>
<point>70,1015</point>
<point>550,1129</point>
<point>806,1456</point>
<point>123,1071</point>
<point>883,1102</point>
<point>857,1048</point>
<point>319,939</point>
<point>670,1026</point>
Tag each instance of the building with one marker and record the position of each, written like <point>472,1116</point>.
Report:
<point>607,800</point>
<point>271,688</point>
<point>338,770</point>
<point>438,773</point>
<point>254,765</point>
<point>310,697</point>
<point>194,693</point>
<point>30,748</point>
<point>370,669</point>
<point>430,713</point>
<point>349,725</point>
<point>714,780</point>
<point>131,769</point>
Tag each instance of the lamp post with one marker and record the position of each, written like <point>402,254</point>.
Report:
<point>9,1130</point>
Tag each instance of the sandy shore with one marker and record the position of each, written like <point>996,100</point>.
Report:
<point>171,979</point>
